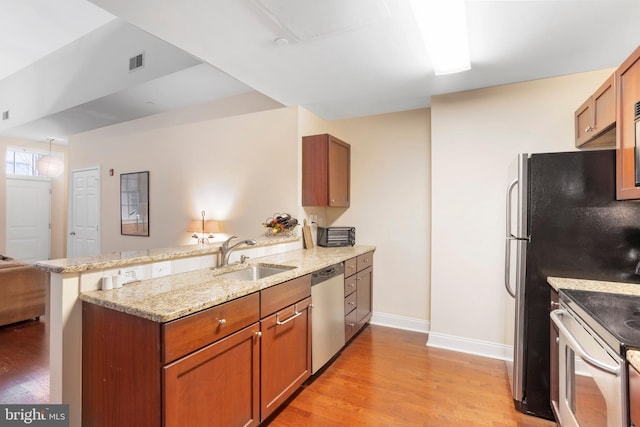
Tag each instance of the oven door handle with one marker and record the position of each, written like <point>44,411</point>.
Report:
<point>555,317</point>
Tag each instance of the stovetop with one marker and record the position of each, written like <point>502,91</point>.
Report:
<point>614,317</point>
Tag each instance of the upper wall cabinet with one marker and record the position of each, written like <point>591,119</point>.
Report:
<point>326,171</point>
<point>628,88</point>
<point>595,119</point>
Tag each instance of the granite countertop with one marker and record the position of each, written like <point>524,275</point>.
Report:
<point>633,356</point>
<point>558,283</point>
<point>170,297</point>
<point>122,259</point>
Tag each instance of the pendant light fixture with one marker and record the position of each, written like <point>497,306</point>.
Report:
<point>50,165</point>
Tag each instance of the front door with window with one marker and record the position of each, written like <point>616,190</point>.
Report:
<point>28,218</point>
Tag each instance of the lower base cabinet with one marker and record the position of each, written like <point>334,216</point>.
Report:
<point>230,365</point>
<point>554,346</point>
<point>217,386</point>
<point>285,355</point>
<point>358,293</point>
<point>634,396</point>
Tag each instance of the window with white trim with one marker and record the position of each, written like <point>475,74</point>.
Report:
<point>22,162</point>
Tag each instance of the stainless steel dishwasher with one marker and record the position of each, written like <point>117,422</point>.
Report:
<point>327,315</point>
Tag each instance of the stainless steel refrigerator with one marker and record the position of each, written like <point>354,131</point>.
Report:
<point>562,220</point>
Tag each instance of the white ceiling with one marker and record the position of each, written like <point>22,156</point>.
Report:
<point>345,58</point>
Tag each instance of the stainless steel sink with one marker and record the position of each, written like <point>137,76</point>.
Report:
<point>255,272</point>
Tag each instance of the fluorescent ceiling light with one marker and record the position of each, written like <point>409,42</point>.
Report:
<point>443,25</point>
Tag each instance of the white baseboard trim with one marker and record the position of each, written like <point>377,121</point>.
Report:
<point>453,343</point>
<point>470,346</point>
<point>400,322</point>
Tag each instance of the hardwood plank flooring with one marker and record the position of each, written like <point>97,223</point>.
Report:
<point>24,363</point>
<point>388,377</point>
<point>385,377</point>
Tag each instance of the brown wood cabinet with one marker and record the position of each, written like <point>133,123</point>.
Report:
<point>286,342</point>
<point>634,396</point>
<point>218,385</point>
<point>229,365</point>
<point>172,373</point>
<point>554,346</point>
<point>628,93</point>
<point>358,296</point>
<point>285,354</point>
<point>595,119</point>
<point>326,171</point>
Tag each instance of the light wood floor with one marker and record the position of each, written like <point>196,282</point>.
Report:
<point>385,377</point>
<point>388,377</point>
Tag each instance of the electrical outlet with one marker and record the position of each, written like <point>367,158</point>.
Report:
<point>159,269</point>
<point>131,274</point>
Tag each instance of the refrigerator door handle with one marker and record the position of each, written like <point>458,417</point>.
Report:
<point>510,188</point>
<point>509,238</point>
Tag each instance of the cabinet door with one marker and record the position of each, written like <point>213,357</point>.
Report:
<point>628,93</point>
<point>584,122</point>
<point>554,343</point>
<point>604,106</point>
<point>285,355</point>
<point>634,396</point>
<point>215,386</point>
<point>326,175</point>
<point>363,295</point>
<point>339,172</point>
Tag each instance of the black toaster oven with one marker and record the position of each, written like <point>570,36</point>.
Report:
<point>336,236</point>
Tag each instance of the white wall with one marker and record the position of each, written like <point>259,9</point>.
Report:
<point>475,136</point>
<point>390,207</point>
<point>239,169</point>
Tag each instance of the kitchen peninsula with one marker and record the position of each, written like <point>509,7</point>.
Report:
<point>183,284</point>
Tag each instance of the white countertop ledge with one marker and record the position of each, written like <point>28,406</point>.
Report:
<point>123,259</point>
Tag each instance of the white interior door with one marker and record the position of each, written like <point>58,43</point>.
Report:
<point>28,218</point>
<point>84,213</point>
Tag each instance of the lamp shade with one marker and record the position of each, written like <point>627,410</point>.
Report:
<point>50,166</point>
<point>210,226</point>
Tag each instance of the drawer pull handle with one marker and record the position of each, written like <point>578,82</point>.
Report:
<point>352,285</point>
<point>352,303</point>
<point>296,314</point>
<point>222,322</point>
<point>258,334</point>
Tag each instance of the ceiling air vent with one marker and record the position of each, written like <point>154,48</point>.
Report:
<point>5,115</point>
<point>136,62</point>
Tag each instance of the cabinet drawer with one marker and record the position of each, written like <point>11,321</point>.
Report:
<point>189,333</point>
<point>350,267</point>
<point>350,325</point>
<point>349,285</point>
<point>350,303</point>
<point>279,296</point>
<point>364,261</point>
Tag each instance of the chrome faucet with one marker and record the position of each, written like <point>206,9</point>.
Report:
<point>226,250</point>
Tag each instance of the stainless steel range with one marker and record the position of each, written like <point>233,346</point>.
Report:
<point>617,316</point>
<point>595,328</point>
